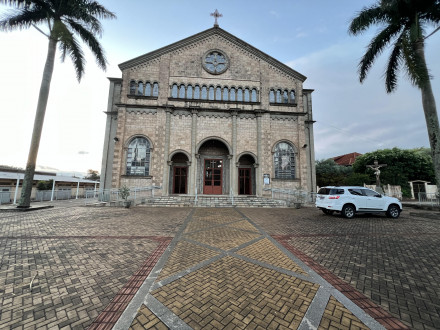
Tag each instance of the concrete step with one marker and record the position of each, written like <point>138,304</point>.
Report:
<point>213,201</point>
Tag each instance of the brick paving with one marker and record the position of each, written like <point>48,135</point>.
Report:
<point>225,268</point>
<point>395,263</point>
<point>77,259</point>
<point>225,272</point>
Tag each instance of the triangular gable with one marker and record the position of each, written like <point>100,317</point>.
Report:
<point>207,33</point>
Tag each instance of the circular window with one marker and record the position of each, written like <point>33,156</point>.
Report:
<point>215,61</point>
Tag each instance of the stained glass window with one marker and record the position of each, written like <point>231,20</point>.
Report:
<point>132,87</point>
<point>155,89</point>
<point>138,157</point>
<point>284,161</point>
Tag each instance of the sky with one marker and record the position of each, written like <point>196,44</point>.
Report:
<point>309,36</point>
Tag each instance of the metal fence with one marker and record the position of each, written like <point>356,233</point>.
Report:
<point>429,198</point>
<point>46,195</point>
<point>292,196</point>
<point>112,197</point>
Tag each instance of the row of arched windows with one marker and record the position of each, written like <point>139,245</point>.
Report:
<point>141,89</point>
<point>212,93</point>
<point>282,96</point>
<point>139,148</point>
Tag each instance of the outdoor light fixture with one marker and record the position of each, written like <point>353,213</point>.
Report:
<point>115,139</point>
<point>305,146</point>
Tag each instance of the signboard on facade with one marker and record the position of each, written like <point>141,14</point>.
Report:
<point>266,179</point>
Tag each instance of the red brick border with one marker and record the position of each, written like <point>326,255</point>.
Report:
<point>110,315</point>
<point>375,311</point>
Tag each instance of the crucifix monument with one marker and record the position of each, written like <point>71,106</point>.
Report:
<point>376,168</point>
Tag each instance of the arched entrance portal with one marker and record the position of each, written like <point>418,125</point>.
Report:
<point>213,168</point>
<point>179,174</point>
<point>246,175</point>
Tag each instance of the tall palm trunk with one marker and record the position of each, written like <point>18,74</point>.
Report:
<point>431,117</point>
<point>26,191</point>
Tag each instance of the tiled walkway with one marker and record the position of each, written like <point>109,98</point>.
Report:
<point>222,271</point>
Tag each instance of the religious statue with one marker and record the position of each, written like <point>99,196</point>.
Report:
<point>376,170</point>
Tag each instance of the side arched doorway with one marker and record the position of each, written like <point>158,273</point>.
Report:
<point>213,168</point>
<point>246,175</point>
<point>179,173</point>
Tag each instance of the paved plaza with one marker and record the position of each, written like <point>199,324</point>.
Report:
<point>102,267</point>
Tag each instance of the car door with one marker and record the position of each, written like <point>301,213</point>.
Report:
<point>374,200</point>
<point>358,198</point>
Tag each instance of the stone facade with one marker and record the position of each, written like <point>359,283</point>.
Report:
<point>209,107</point>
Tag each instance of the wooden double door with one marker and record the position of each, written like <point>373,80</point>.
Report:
<point>180,180</point>
<point>213,176</point>
<point>244,181</point>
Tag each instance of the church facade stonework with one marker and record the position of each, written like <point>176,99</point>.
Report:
<point>209,114</point>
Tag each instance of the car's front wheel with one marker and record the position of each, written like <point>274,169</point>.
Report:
<point>348,211</point>
<point>393,211</point>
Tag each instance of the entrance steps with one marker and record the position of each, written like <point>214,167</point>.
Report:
<point>213,201</point>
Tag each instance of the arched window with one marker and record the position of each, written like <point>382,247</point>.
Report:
<point>292,96</point>
<point>225,94</point>
<point>147,89</point>
<point>284,161</point>
<point>240,95</point>
<point>197,92</point>
<point>254,95</point>
<point>272,96</point>
<point>189,92</point>
<point>211,92</point>
<point>132,87</point>
<point>278,96</point>
<point>218,93</point>
<point>286,97</point>
<point>138,157</point>
<point>156,89</point>
<point>204,92</point>
<point>247,96</point>
<point>174,91</point>
<point>140,90</point>
<point>182,91</point>
<point>232,96</point>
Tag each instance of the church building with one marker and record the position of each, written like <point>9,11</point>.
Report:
<point>209,115</point>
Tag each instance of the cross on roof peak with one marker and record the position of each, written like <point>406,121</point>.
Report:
<point>216,14</point>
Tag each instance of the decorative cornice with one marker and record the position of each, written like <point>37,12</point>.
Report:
<point>141,110</point>
<point>205,34</point>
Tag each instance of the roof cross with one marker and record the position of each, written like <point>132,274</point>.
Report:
<point>216,14</point>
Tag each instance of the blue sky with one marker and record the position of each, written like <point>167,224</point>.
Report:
<point>309,36</point>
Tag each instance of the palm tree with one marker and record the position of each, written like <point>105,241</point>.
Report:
<point>65,20</point>
<point>403,24</point>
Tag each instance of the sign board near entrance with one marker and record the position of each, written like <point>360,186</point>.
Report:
<point>266,179</point>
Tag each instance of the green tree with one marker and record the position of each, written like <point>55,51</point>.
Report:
<point>402,166</point>
<point>65,20</point>
<point>92,175</point>
<point>328,173</point>
<point>45,185</point>
<point>403,23</point>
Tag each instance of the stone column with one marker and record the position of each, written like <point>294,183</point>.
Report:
<point>166,151</point>
<point>234,170</point>
<point>258,181</point>
<point>193,169</point>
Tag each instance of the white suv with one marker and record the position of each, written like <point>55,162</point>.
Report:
<point>352,200</point>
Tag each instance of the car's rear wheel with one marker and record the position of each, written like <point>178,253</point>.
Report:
<point>329,212</point>
<point>393,211</point>
<point>348,211</point>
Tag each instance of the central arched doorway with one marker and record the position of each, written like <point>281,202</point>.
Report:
<point>213,168</point>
